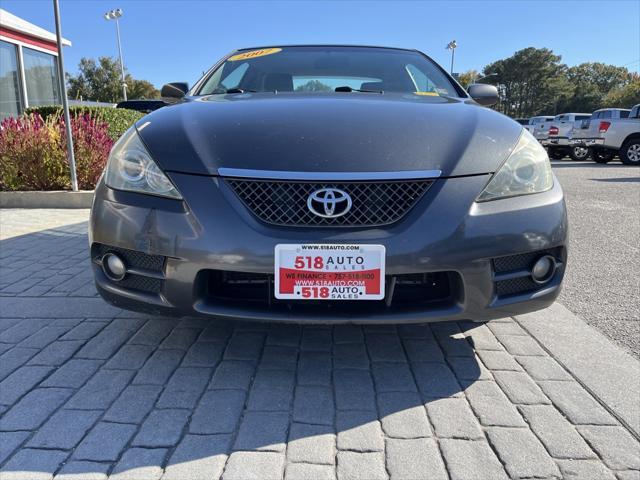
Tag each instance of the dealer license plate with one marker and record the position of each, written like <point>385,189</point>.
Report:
<point>329,272</point>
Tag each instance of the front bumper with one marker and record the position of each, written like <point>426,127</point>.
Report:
<point>445,233</point>
<point>586,142</point>
<point>555,142</point>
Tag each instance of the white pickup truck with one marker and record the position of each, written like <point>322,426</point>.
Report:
<point>557,141</point>
<point>538,126</point>
<point>611,131</point>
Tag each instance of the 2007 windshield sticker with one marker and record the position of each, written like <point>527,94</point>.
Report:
<point>428,94</point>
<point>254,54</point>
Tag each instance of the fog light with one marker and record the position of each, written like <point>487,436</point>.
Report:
<point>113,267</point>
<point>544,268</point>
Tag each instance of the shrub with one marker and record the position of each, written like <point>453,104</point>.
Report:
<point>117,119</point>
<point>33,152</point>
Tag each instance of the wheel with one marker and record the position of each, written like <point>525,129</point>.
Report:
<point>630,152</point>
<point>579,153</point>
<point>602,155</point>
<point>556,153</point>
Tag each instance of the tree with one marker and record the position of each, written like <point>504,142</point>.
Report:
<point>314,86</point>
<point>624,97</point>
<point>102,82</point>
<point>467,78</point>
<point>591,82</point>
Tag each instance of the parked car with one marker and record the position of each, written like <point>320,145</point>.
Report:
<point>557,141</point>
<point>538,126</point>
<point>603,141</point>
<point>386,195</point>
<point>144,106</point>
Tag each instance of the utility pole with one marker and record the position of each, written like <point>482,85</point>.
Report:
<point>115,15</point>
<point>452,45</point>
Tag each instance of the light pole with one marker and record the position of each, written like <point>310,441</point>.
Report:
<point>477,79</point>
<point>452,45</point>
<point>115,15</point>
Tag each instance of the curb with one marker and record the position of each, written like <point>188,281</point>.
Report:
<point>53,199</point>
<point>610,374</point>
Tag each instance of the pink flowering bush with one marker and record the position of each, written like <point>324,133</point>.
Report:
<point>33,152</point>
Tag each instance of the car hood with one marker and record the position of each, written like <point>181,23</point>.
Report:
<point>334,132</point>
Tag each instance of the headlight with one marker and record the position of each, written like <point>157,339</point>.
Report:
<point>131,168</point>
<point>527,170</point>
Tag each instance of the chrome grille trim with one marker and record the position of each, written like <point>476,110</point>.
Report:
<point>284,202</point>
<point>328,176</point>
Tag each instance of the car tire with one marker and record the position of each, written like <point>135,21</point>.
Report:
<point>579,154</point>
<point>630,152</point>
<point>601,155</point>
<point>556,153</point>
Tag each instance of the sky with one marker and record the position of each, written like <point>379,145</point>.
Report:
<point>173,40</point>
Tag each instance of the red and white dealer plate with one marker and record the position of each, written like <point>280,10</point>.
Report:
<point>329,272</point>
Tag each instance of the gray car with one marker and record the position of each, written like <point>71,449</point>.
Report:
<point>329,184</point>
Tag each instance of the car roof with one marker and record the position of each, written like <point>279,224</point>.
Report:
<point>613,109</point>
<point>327,45</point>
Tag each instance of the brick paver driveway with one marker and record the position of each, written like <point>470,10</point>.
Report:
<point>89,392</point>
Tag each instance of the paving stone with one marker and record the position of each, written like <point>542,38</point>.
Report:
<point>348,334</point>
<point>135,402</point>
<point>254,466</point>
<point>153,332</point>
<point>353,390</point>
<point>481,338</point>
<point>11,441</point>
<point>499,360</point>
<point>313,404</point>
<point>198,457</point>
<point>56,353</point>
<point>20,331</point>
<point>471,460</point>
<point>307,471</point>
<point>435,380</point>
<point>521,345</point>
<point>615,446</point>
<point>232,374</point>
<point>452,418</point>
<point>558,436</point>
<point>506,328</point>
<point>64,429</point>
<point>316,340</point>
<point>452,341</point>
<point>180,339</point>
<point>543,368</point>
<point>423,351</point>
<point>279,357</point>
<point>520,389</point>
<point>584,470</point>
<point>15,358</point>
<point>628,475</point>
<point>417,458</point>
<point>204,354</point>
<point>79,470</point>
<point>101,390</point>
<point>218,412</point>
<point>73,374</point>
<point>491,405</point>
<point>140,463</point>
<point>43,337</point>
<point>105,442</point>
<point>359,431</point>
<point>162,428</point>
<point>522,453</point>
<point>284,334</point>
<point>350,355</point>
<point>84,331</point>
<point>20,382</point>
<point>385,348</point>
<point>263,431</point>
<point>314,368</point>
<point>576,404</point>
<point>468,368</point>
<point>33,409</point>
<point>361,466</point>
<point>311,444</point>
<point>393,377</point>
<point>244,346</point>
<point>403,415</point>
<point>272,390</point>
<point>415,331</point>
<point>185,387</point>
<point>32,464</point>
<point>130,357</point>
<point>219,332</point>
<point>159,367</point>
<point>109,340</point>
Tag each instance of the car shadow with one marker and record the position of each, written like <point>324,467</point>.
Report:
<point>168,393</point>
<point>617,180</point>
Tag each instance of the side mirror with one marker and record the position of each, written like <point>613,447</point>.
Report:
<point>172,92</point>
<point>483,94</point>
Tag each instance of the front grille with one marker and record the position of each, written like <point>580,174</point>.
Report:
<point>285,202</point>
<point>132,258</point>
<point>516,286</point>
<point>521,264</point>
<point>410,292</point>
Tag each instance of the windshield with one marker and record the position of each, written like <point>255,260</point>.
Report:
<point>325,69</point>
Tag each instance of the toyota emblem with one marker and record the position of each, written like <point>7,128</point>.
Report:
<point>329,202</point>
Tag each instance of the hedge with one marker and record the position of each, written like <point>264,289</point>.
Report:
<point>117,119</point>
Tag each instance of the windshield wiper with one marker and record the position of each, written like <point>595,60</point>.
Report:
<point>347,88</point>
<point>239,90</point>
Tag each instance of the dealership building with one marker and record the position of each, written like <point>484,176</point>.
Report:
<point>28,67</point>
